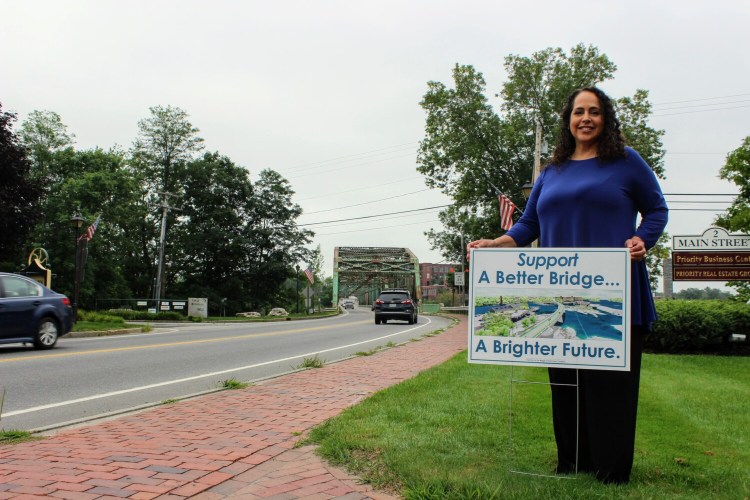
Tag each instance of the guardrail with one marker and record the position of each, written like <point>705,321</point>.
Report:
<point>456,310</point>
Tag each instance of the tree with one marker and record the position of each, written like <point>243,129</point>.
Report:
<point>44,134</point>
<point>316,263</point>
<point>538,86</point>
<point>95,182</point>
<point>20,195</point>
<point>471,153</point>
<point>737,219</point>
<point>655,258</point>
<point>166,141</point>
<point>274,241</point>
<point>207,243</point>
<point>633,113</point>
<point>704,294</point>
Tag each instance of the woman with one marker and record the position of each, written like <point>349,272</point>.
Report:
<point>589,196</point>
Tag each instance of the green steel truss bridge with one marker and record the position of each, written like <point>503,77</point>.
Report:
<point>364,271</point>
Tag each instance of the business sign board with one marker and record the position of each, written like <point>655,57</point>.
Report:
<point>198,307</point>
<point>561,307</point>
<point>714,255</point>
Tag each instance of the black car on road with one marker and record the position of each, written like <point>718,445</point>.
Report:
<point>395,304</point>
<point>32,313</point>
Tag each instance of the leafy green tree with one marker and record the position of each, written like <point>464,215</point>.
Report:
<point>326,292</point>
<point>538,85</point>
<point>166,141</point>
<point>633,113</point>
<point>20,196</point>
<point>275,244</point>
<point>95,182</point>
<point>655,258</point>
<point>44,134</point>
<point>702,294</point>
<point>207,242</point>
<point>470,152</point>
<point>736,169</point>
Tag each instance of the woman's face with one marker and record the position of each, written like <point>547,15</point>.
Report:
<point>586,119</point>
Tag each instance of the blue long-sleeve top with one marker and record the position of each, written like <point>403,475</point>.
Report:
<point>588,203</point>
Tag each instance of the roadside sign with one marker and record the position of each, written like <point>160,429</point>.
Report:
<point>556,307</point>
<point>458,279</point>
<point>714,255</point>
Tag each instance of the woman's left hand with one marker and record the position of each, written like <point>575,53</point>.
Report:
<point>637,248</point>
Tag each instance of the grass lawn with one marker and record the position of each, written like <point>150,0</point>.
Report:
<point>446,434</point>
<point>98,326</point>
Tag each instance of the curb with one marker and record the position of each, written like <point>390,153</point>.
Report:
<point>102,333</point>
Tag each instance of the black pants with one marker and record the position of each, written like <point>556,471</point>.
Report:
<point>608,407</point>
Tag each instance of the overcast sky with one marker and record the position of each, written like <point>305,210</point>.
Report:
<point>327,92</point>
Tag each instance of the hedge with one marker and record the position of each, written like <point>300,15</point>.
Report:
<point>695,326</point>
<point>129,314</point>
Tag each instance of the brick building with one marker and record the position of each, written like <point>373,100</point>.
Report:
<point>435,278</point>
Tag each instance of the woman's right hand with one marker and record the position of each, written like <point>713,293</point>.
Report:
<point>503,241</point>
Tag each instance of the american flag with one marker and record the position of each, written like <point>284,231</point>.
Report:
<point>91,230</point>
<point>507,208</point>
<point>310,275</point>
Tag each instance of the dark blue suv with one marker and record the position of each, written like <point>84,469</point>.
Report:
<point>31,312</point>
<point>395,304</point>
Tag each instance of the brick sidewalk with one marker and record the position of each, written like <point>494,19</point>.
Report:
<point>237,444</point>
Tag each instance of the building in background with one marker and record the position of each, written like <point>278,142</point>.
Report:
<point>436,278</point>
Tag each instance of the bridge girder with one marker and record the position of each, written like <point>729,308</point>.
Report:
<point>365,271</point>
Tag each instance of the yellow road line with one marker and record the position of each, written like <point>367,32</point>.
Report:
<point>183,342</point>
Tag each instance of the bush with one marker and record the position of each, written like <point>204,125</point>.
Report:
<point>129,314</point>
<point>96,317</point>
<point>697,325</point>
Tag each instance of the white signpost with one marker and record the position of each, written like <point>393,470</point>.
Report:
<point>458,279</point>
<point>559,307</point>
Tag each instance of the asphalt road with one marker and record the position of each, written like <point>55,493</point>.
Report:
<point>89,378</point>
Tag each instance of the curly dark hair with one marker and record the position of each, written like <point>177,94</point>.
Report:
<point>611,145</point>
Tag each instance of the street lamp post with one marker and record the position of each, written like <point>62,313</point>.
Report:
<point>296,268</point>
<point>77,222</point>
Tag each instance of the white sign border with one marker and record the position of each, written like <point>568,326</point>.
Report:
<point>626,291</point>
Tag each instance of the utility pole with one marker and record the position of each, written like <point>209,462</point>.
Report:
<point>537,151</point>
<point>537,160</point>
<point>165,208</point>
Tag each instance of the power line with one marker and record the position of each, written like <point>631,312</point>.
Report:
<point>702,110</point>
<point>381,227</point>
<point>703,99</point>
<point>444,206</point>
<point>317,172</point>
<point>373,216</point>
<point>400,181</point>
<point>379,219</point>
<point>704,105</point>
<point>701,194</point>
<point>367,202</point>
<point>353,157</point>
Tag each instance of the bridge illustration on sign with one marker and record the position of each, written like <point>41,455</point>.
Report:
<point>548,317</point>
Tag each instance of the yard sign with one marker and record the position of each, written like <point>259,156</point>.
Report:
<point>561,307</point>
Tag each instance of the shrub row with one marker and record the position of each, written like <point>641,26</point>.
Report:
<point>699,326</point>
<point>97,317</point>
<point>129,314</point>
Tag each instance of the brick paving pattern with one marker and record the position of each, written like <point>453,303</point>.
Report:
<point>230,444</point>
